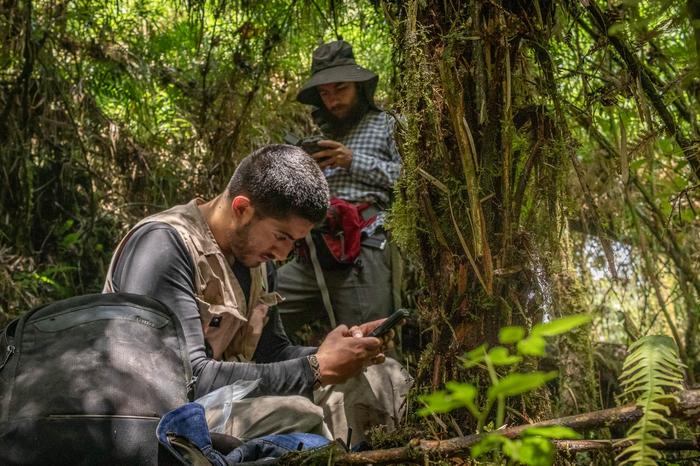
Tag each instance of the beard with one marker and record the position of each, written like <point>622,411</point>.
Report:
<point>241,245</point>
<point>338,127</point>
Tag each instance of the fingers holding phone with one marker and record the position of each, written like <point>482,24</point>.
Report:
<point>384,329</point>
<point>388,324</point>
<point>333,154</point>
<point>386,341</point>
<point>342,355</point>
<point>326,152</point>
<point>356,331</point>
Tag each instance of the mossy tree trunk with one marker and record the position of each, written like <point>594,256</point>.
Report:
<point>486,154</point>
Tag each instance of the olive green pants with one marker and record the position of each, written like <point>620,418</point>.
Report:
<point>360,293</point>
<point>376,397</point>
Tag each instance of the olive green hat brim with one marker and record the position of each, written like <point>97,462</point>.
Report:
<point>344,73</point>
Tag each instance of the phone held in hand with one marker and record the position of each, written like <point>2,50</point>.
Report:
<point>309,143</point>
<point>389,323</point>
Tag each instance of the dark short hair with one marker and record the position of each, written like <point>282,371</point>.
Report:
<point>282,180</point>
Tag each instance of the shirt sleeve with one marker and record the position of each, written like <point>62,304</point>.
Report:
<point>378,168</point>
<point>155,262</point>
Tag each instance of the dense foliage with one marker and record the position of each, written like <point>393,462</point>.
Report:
<point>110,110</point>
<point>551,153</point>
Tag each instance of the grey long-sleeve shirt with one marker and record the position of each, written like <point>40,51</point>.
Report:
<point>155,262</point>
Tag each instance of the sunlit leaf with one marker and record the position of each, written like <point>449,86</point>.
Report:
<point>532,346</point>
<point>559,326</point>
<point>616,29</point>
<point>463,392</point>
<point>488,443</point>
<point>517,383</point>
<point>553,432</point>
<point>438,402</point>
<point>511,334</point>
<point>535,451</point>
<point>458,395</point>
<point>475,356</point>
<point>652,367</point>
<point>499,356</point>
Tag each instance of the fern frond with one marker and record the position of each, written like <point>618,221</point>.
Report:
<point>652,368</point>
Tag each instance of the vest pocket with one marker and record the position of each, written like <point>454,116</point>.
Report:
<point>221,325</point>
<point>271,299</point>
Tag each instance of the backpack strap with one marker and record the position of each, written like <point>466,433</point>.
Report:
<point>320,279</point>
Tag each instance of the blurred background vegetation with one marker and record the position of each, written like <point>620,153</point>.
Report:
<point>551,153</point>
<point>112,110</point>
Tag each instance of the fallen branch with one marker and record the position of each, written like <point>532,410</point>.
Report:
<point>578,446</point>
<point>687,408</point>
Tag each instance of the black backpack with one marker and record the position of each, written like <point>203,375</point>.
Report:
<point>85,381</point>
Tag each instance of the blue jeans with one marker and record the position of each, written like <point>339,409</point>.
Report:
<point>274,446</point>
<point>189,424</point>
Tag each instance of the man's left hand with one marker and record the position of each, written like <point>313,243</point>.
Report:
<point>336,155</point>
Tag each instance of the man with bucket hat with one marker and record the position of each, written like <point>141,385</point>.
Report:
<point>360,161</point>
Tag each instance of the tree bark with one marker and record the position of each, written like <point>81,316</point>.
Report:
<point>486,156</point>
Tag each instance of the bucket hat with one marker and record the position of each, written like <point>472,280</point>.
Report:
<point>332,63</point>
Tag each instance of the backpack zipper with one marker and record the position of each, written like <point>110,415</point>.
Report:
<point>8,355</point>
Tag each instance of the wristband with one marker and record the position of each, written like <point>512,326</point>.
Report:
<point>315,369</point>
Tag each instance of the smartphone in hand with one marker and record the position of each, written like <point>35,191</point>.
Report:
<point>309,144</point>
<point>391,322</point>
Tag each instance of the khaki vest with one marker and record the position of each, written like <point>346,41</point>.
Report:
<point>232,327</point>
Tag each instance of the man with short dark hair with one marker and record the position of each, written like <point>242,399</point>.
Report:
<point>361,164</point>
<point>209,262</point>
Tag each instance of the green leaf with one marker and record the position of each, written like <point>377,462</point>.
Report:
<point>463,392</point>
<point>555,432</point>
<point>532,346</point>
<point>70,239</point>
<point>438,402</point>
<point>616,29</point>
<point>637,164</point>
<point>517,383</point>
<point>499,356</point>
<point>475,356</point>
<point>460,395</point>
<point>535,451</point>
<point>665,206</point>
<point>511,334</point>
<point>687,215</point>
<point>559,326</point>
<point>44,279</point>
<point>488,443</point>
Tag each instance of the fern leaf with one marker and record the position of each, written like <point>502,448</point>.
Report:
<point>652,368</point>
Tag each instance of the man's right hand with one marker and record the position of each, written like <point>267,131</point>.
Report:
<point>334,154</point>
<point>342,355</point>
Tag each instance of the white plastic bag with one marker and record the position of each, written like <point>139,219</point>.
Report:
<point>217,404</point>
